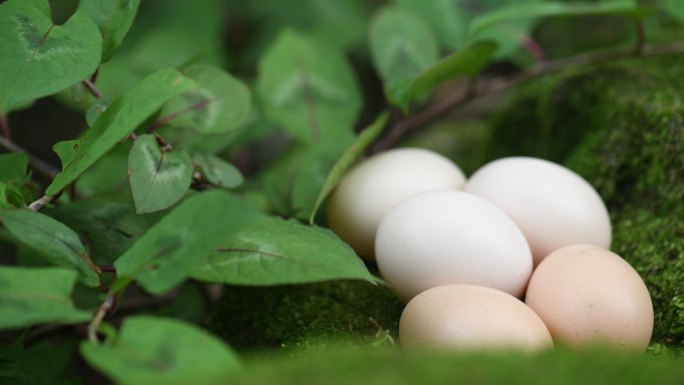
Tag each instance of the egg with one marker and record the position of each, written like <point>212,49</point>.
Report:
<point>588,295</point>
<point>552,205</point>
<point>372,188</point>
<point>446,237</point>
<point>468,317</point>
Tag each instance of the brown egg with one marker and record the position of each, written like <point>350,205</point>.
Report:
<point>469,317</point>
<point>588,295</point>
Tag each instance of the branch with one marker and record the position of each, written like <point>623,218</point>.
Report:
<point>42,201</point>
<point>495,85</point>
<point>4,124</point>
<point>35,162</point>
<point>92,88</point>
<point>106,306</point>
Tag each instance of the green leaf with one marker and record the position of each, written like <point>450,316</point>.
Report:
<point>466,62</point>
<point>4,203</point>
<point>282,252</point>
<point>365,138</point>
<point>171,249</point>
<point>674,7</point>
<point>162,351</point>
<point>546,9</point>
<point>122,117</point>
<point>13,168</point>
<point>223,103</point>
<point>451,19</point>
<point>308,88</point>
<point>109,222</point>
<point>159,177</point>
<point>293,182</point>
<point>95,110</point>
<point>402,47</point>
<point>33,296</point>
<point>43,363</point>
<point>40,58</point>
<point>217,171</point>
<point>53,240</point>
<point>113,17</point>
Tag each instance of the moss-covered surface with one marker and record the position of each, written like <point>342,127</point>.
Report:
<point>621,126</point>
<point>393,367</point>
<point>297,316</point>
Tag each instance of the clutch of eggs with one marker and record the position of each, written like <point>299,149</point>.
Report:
<point>458,250</point>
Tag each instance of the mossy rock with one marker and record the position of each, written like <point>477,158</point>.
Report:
<point>621,126</point>
<point>301,316</point>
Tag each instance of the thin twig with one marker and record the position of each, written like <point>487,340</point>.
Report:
<point>4,123</point>
<point>42,201</point>
<point>35,162</point>
<point>640,36</point>
<point>92,88</point>
<point>106,306</point>
<point>495,85</point>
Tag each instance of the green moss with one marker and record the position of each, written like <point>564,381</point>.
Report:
<point>295,316</point>
<point>621,126</point>
<point>391,366</point>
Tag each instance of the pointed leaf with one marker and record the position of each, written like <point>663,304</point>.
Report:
<point>34,296</point>
<point>13,168</point>
<point>53,240</point>
<point>41,58</point>
<point>113,17</point>
<point>402,47</point>
<point>365,138</point>
<point>223,103</point>
<point>217,171</point>
<point>451,19</point>
<point>282,252</point>
<point>172,248</point>
<point>546,9</point>
<point>162,351</point>
<point>121,118</point>
<point>308,88</point>
<point>293,183</point>
<point>674,8</point>
<point>159,178</point>
<point>464,63</point>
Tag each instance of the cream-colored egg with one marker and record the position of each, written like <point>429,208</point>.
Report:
<point>552,205</point>
<point>467,317</point>
<point>376,185</point>
<point>446,237</point>
<point>588,295</point>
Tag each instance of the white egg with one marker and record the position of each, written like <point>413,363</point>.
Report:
<point>376,185</point>
<point>467,317</point>
<point>447,237</point>
<point>552,205</point>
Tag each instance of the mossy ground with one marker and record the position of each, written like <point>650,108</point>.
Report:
<point>335,365</point>
<point>621,126</point>
<point>298,316</point>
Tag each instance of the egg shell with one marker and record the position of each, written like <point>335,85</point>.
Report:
<point>552,205</point>
<point>468,317</point>
<point>588,295</point>
<point>372,188</point>
<point>447,237</point>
